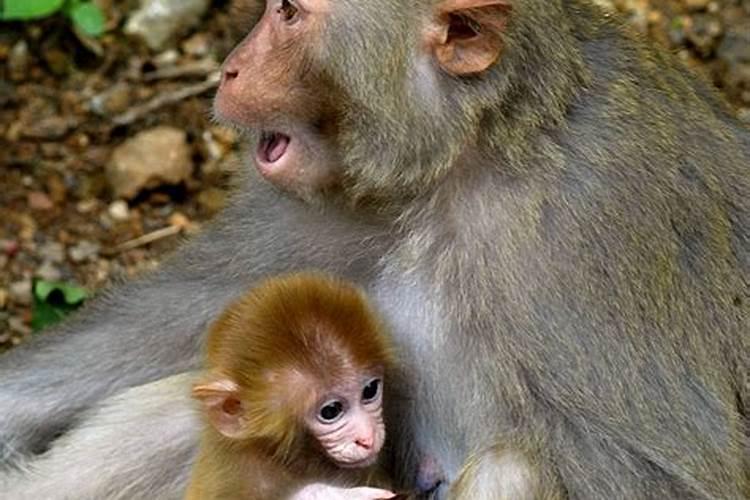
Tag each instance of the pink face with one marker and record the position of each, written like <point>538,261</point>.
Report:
<point>348,423</point>
<point>265,87</point>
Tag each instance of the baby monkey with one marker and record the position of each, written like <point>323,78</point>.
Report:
<point>293,395</point>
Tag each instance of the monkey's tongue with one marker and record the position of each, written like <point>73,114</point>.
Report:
<point>273,146</point>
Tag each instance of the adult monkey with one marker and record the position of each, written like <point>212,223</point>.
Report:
<point>556,221</point>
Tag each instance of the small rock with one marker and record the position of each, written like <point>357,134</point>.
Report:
<point>58,192</point>
<point>159,21</point>
<point>58,61</point>
<point>179,220</point>
<point>48,271</point>
<point>214,170</point>
<point>20,292</point>
<point>734,54</point>
<point>9,247</point>
<point>86,206</point>
<point>113,101</point>
<point>154,157</point>
<point>696,5</point>
<point>18,325</point>
<point>215,149</point>
<point>703,33</point>
<point>52,252</point>
<point>212,200</point>
<point>52,128</point>
<point>119,211</point>
<point>197,45</point>
<point>19,61</point>
<point>83,251</point>
<point>166,58</point>
<point>605,4</point>
<point>40,201</point>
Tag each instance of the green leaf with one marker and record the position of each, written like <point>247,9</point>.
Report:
<point>88,18</point>
<point>28,9</point>
<point>53,301</point>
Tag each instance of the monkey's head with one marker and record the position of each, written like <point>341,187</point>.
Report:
<point>299,357</point>
<point>383,96</point>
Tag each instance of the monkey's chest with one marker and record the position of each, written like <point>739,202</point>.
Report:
<point>440,394</point>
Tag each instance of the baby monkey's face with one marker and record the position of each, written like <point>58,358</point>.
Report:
<point>348,423</point>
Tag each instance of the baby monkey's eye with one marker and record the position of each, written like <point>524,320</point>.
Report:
<point>288,11</point>
<point>371,390</point>
<point>330,412</point>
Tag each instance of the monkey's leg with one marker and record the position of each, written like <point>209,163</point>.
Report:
<point>505,472</point>
<point>152,327</point>
<point>151,427</point>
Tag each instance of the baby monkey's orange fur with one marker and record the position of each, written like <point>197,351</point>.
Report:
<point>273,357</point>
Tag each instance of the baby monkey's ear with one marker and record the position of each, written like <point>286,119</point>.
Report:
<point>221,399</point>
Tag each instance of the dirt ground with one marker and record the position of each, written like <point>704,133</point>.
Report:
<point>67,103</point>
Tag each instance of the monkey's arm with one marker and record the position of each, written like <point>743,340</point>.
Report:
<point>105,457</point>
<point>151,328</point>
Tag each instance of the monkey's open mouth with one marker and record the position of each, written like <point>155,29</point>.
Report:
<point>273,146</point>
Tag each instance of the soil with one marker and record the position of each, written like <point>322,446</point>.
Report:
<point>67,102</point>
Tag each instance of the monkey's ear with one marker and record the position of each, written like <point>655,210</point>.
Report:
<point>221,400</point>
<point>468,36</point>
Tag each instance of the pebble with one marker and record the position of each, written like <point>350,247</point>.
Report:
<point>18,325</point>
<point>197,45</point>
<point>20,292</point>
<point>119,211</point>
<point>87,206</point>
<point>734,53</point>
<point>212,200</point>
<point>178,219</point>
<point>113,101</point>
<point>158,22</point>
<point>40,201</point>
<point>50,128</point>
<point>703,33</point>
<point>19,61</point>
<point>52,252</point>
<point>58,192</point>
<point>157,156</point>
<point>166,58</point>
<point>9,247</point>
<point>84,250</point>
<point>48,271</point>
<point>695,5</point>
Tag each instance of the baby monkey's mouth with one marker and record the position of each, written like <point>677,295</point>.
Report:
<point>272,146</point>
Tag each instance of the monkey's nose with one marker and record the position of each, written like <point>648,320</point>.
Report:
<point>230,74</point>
<point>365,442</point>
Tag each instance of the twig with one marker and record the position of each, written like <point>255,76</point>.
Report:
<point>166,98</point>
<point>151,237</point>
<point>202,67</point>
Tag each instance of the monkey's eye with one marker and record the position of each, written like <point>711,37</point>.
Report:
<point>288,11</point>
<point>330,412</point>
<point>371,390</point>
